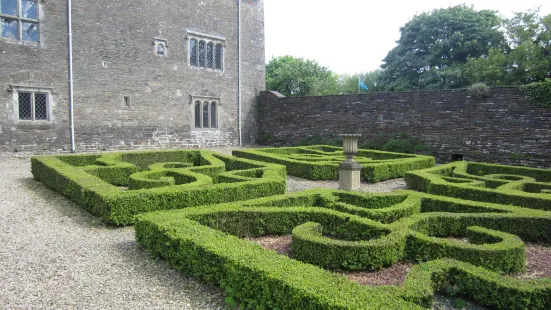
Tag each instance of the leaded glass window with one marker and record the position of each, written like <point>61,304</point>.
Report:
<point>213,115</point>
<point>205,114</point>
<point>29,9</point>
<point>8,7</point>
<point>198,114</point>
<point>202,54</point>
<point>19,20</point>
<point>10,28</point>
<point>33,106</point>
<point>30,32</point>
<point>206,53</point>
<point>210,52</point>
<point>26,106</point>
<point>41,107</point>
<point>193,52</point>
<point>218,55</point>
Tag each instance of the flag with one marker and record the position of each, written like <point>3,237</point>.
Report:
<point>362,85</point>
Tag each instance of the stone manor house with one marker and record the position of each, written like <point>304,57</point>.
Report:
<point>147,73</point>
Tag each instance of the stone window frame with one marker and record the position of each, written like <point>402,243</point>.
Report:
<point>20,20</point>
<point>201,100</point>
<point>160,41</point>
<point>215,41</point>
<point>50,103</point>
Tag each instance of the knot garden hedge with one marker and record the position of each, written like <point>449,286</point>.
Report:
<point>321,162</point>
<point>117,186</point>
<point>338,230</point>
<point>222,200</point>
<point>511,185</point>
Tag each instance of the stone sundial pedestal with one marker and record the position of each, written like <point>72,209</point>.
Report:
<point>349,170</point>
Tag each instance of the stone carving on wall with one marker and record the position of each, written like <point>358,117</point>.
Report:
<point>31,77</point>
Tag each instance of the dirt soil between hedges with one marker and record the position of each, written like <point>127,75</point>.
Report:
<point>538,258</point>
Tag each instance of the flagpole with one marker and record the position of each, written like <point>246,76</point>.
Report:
<point>359,84</point>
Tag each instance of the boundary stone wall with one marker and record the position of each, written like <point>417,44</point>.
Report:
<point>503,128</point>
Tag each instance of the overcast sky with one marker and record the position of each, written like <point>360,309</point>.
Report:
<point>350,36</point>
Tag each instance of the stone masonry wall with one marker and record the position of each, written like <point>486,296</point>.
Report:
<point>503,128</point>
<point>114,57</point>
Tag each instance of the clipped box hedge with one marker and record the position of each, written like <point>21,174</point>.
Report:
<point>330,231</point>
<point>117,186</point>
<point>321,162</point>
<point>514,185</point>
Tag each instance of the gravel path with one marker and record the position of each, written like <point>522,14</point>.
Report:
<point>55,255</point>
<point>295,184</point>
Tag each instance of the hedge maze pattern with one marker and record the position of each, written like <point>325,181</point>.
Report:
<point>118,186</point>
<point>321,162</point>
<point>519,186</point>
<point>216,201</point>
<point>335,230</point>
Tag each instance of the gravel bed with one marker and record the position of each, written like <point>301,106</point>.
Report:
<point>55,255</point>
<point>295,184</point>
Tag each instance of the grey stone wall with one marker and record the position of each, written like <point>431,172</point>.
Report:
<point>114,57</point>
<point>503,128</point>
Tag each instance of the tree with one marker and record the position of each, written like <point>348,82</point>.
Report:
<point>433,46</point>
<point>299,77</point>
<point>527,60</point>
<point>530,37</point>
<point>348,84</point>
<point>491,70</point>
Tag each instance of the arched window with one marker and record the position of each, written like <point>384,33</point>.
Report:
<point>206,114</point>
<point>210,55</point>
<point>160,49</point>
<point>202,62</point>
<point>213,122</point>
<point>218,56</point>
<point>198,114</point>
<point>193,52</point>
<point>205,111</point>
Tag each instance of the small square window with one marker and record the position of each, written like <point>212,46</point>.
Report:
<point>30,32</point>
<point>29,9</point>
<point>9,28</point>
<point>20,20</point>
<point>8,7</point>
<point>126,101</point>
<point>33,106</point>
<point>160,47</point>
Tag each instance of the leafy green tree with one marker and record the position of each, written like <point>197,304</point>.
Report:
<point>327,86</point>
<point>348,84</point>
<point>432,46</point>
<point>530,37</point>
<point>528,27</point>
<point>491,70</point>
<point>528,59</point>
<point>299,77</point>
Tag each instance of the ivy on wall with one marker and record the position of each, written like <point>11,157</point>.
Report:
<point>539,92</point>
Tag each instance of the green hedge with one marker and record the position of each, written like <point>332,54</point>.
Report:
<point>207,243</point>
<point>539,92</point>
<point>486,182</point>
<point>321,162</point>
<point>156,180</point>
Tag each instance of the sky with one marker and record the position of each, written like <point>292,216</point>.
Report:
<point>352,36</point>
